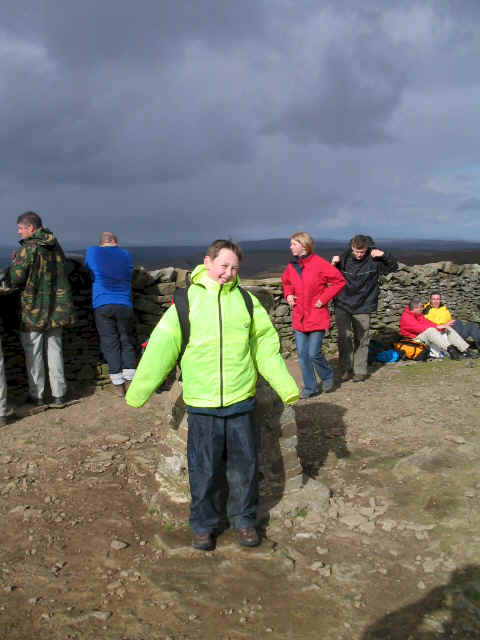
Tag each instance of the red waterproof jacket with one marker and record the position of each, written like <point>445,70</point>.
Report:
<point>412,324</point>
<point>310,279</point>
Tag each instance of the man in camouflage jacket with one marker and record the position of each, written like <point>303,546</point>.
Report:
<point>39,270</point>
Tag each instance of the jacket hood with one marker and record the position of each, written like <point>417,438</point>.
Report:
<point>200,276</point>
<point>43,237</point>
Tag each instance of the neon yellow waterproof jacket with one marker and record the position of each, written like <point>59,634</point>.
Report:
<point>225,351</point>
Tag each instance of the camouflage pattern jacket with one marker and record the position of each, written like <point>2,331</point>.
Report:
<point>39,270</point>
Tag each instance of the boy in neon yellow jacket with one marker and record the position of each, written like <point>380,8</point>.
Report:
<point>226,349</point>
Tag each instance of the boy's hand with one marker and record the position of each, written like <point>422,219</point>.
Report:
<point>377,253</point>
<point>291,300</point>
<point>335,260</point>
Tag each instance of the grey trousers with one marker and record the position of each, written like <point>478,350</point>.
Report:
<point>3,386</point>
<point>33,344</point>
<point>442,340</point>
<point>353,339</point>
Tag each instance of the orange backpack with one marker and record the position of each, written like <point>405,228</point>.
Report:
<point>409,349</point>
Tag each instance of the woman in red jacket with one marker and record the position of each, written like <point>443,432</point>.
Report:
<point>309,283</point>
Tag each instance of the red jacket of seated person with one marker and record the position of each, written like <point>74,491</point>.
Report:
<point>411,324</point>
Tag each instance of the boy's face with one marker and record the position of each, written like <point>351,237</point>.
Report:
<point>224,267</point>
<point>359,254</point>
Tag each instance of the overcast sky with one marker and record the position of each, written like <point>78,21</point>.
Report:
<point>179,121</point>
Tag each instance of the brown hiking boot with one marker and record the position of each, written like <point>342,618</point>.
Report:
<point>203,541</point>
<point>248,537</point>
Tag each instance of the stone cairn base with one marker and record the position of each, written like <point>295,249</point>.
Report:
<point>281,483</point>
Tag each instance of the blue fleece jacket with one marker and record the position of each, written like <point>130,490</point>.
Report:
<point>111,269</point>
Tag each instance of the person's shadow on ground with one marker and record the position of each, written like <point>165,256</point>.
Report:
<point>321,432</point>
<point>447,611</point>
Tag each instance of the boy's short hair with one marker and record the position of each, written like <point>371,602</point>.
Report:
<point>435,293</point>
<point>305,239</point>
<point>414,302</point>
<point>361,242</point>
<point>30,217</point>
<point>214,249</point>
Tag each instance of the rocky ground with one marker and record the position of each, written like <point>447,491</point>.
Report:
<point>87,554</point>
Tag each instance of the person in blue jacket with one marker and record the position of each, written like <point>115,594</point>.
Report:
<point>111,270</point>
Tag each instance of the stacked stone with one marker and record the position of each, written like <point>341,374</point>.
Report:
<point>84,365</point>
<point>280,470</point>
<point>12,349</point>
<point>278,458</point>
<point>152,295</point>
<point>270,293</point>
<point>459,286</point>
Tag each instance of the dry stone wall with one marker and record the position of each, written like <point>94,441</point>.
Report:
<point>152,294</point>
<point>458,284</point>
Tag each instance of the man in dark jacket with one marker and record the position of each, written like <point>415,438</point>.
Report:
<point>361,265</point>
<point>39,271</point>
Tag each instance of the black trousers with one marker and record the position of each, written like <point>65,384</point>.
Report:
<point>116,329</point>
<point>222,466</point>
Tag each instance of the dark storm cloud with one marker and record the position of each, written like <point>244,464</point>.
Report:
<point>99,97</point>
<point>80,33</point>
<point>351,99</point>
<point>239,117</point>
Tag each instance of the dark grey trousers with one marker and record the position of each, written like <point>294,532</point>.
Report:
<point>353,339</point>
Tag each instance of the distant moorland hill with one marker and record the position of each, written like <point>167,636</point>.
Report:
<point>269,257</point>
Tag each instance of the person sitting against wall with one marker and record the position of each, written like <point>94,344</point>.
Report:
<point>438,313</point>
<point>413,324</point>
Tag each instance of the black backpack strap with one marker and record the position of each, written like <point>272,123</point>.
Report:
<point>248,301</point>
<point>180,300</point>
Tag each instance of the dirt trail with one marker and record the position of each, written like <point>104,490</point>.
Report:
<point>83,556</point>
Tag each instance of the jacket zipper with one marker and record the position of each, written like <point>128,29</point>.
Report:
<point>221,343</point>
